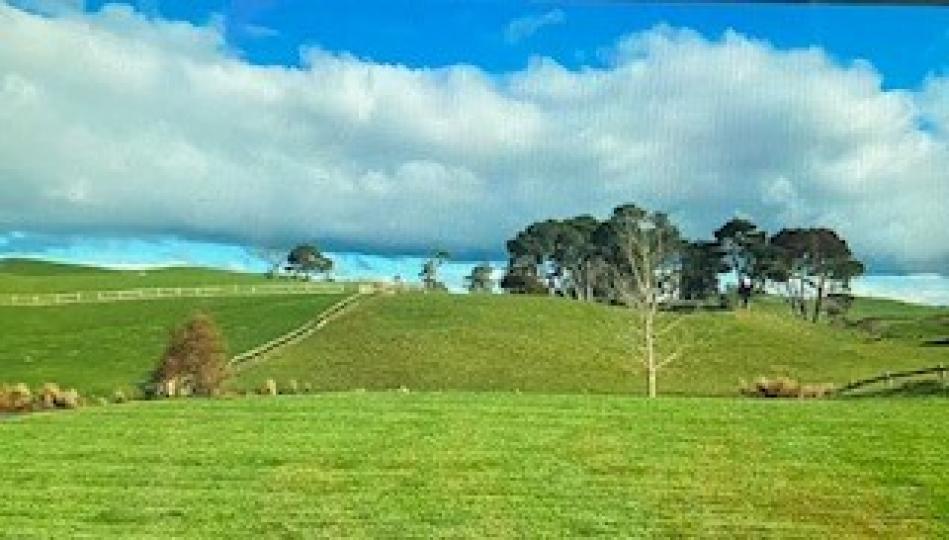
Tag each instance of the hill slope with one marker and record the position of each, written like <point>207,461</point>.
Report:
<point>28,276</point>
<point>101,347</point>
<point>476,342</point>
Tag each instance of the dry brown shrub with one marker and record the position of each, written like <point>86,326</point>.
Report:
<point>16,398</point>
<point>21,398</point>
<point>47,395</point>
<point>783,387</point>
<point>269,388</point>
<point>68,399</point>
<point>196,357</point>
<point>815,391</point>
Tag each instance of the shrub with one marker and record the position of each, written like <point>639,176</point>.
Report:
<point>269,388</point>
<point>119,397</point>
<point>293,387</point>
<point>783,387</point>
<point>68,399</point>
<point>5,404</point>
<point>195,359</point>
<point>21,398</point>
<point>307,388</point>
<point>48,395</point>
<point>16,398</point>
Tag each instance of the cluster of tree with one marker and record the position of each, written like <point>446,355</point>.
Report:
<point>588,259</point>
<point>302,262</point>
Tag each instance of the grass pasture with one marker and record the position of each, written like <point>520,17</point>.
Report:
<point>98,348</point>
<point>372,465</point>
<point>540,344</point>
<point>26,276</point>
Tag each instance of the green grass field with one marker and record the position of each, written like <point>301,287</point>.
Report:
<point>385,465</point>
<point>26,276</point>
<point>539,344</point>
<point>99,348</point>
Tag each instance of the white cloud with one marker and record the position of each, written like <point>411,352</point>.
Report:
<point>155,127</point>
<point>525,27</point>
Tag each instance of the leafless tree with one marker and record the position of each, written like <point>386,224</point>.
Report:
<point>646,272</point>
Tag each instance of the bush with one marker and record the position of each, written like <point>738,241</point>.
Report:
<point>68,399</point>
<point>119,397</point>
<point>19,398</point>
<point>293,387</point>
<point>269,388</point>
<point>195,361</point>
<point>783,387</point>
<point>48,395</point>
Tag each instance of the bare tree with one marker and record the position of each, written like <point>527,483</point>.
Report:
<point>645,274</point>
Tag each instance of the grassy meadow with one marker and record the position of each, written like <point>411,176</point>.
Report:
<point>540,344</point>
<point>376,465</point>
<point>26,276</point>
<point>98,348</point>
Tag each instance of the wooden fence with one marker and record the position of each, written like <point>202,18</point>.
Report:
<point>890,377</point>
<point>95,297</point>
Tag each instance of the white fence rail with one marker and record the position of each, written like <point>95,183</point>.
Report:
<point>95,297</point>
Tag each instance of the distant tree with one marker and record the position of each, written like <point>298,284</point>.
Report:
<point>195,358</point>
<point>646,268</point>
<point>306,260</point>
<point>744,248</point>
<point>480,279</point>
<point>579,262</point>
<point>815,259</point>
<point>702,262</point>
<point>561,254</point>
<point>520,279</point>
<point>429,273</point>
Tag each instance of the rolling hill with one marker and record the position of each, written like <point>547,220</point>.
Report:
<point>551,345</point>
<point>99,348</point>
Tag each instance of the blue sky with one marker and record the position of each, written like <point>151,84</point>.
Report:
<point>185,131</point>
<point>904,43</point>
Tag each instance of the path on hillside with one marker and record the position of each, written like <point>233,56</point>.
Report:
<point>261,352</point>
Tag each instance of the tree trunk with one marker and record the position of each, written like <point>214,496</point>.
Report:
<point>819,300</point>
<point>650,357</point>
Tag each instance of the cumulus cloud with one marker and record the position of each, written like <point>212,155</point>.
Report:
<point>151,127</point>
<point>525,27</point>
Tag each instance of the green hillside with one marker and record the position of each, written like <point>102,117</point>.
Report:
<point>27,276</point>
<point>539,344</point>
<point>100,347</point>
<point>387,465</point>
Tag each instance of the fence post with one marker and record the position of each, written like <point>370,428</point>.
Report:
<point>942,374</point>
